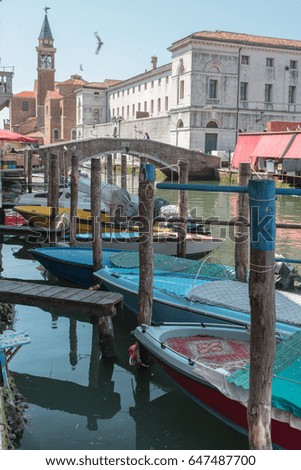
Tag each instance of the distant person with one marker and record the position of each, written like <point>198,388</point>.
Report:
<point>146,136</point>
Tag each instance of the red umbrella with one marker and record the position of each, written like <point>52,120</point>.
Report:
<point>14,137</point>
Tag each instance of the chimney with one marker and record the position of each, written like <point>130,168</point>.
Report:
<point>154,61</point>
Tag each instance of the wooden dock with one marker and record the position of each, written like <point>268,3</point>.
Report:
<point>72,300</point>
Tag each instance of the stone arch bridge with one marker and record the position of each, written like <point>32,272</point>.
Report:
<point>164,156</point>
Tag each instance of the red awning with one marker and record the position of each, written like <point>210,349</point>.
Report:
<point>295,149</point>
<point>245,145</point>
<point>14,137</point>
<point>272,145</point>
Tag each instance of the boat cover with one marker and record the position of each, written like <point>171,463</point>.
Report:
<point>286,387</point>
<point>235,296</point>
<point>113,196</point>
<point>173,264</point>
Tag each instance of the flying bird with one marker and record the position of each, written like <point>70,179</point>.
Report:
<point>99,41</point>
<point>46,9</point>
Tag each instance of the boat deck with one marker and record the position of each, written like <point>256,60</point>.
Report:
<point>71,300</point>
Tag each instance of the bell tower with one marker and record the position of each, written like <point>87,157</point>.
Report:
<point>45,68</point>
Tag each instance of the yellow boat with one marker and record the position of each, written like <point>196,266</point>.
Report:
<point>40,216</point>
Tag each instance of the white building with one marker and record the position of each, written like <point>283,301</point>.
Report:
<point>217,84</point>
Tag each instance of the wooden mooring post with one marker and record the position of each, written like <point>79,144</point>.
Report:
<point>28,166</point>
<point>53,189</point>
<point>95,212</point>
<point>74,198</point>
<point>183,209</point>
<point>105,324</point>
<point>124,171</point>
<point>110,168</point>
<point>45,160</point>
<point>241,231</point>
<point>146,258</point>
<point>262,301</point>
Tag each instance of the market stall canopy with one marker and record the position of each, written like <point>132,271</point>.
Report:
<point>9,136</point>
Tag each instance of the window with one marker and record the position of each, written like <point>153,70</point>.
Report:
<point>243,91</point>
<point>166,80</point>
<point>212,88</point>
<point>245,59</point>
<point>128,111</point>
<point>96,115</point>
<point>133,110</point>
<point>139,87</point>
<point>152,106</point>
<point>25,106</point>
<point>166,103</point>
<point>133,89</point>
<point>268,93</point>
<point>122,111</point>
<point>128,91</point>
<point>139,106</point>
<point>55,134</point>
<point>159,105</point>
<point>145,106</point>
<point>181,90</point>
<point>118,94</point>
<point>159,81</point>
<point>152,83</point>
<point>293,64</point>
<point>73,134</point>
<point>145,86</point>
<point>270,62</point>
<point>292,94</point>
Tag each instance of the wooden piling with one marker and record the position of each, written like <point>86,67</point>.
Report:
<point>123,171</point>
<point>183,209</point>
<point>110,168</point>
<point>74,198</point>
<point>95,212</point>
<point>262,301</point>
<point>29,170</point>
<point>105,324</point>
<point>45,159</point>
<point>65,167</point>
<point>53,191</point>
<point>146,258</point>
<point>241,231</point>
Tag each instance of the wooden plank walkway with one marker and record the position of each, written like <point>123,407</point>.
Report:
<point>70,299</point>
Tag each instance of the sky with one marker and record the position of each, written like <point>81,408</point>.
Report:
<point>132,31</point>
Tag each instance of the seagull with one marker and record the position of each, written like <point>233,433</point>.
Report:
<point>100,43</point>
<point>46,9</point>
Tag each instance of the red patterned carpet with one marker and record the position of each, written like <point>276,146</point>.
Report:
<point>212,351</point>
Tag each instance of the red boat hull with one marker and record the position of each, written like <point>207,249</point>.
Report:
<point>231,411</point>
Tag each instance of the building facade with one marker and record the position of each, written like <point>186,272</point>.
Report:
<point>217,85</point>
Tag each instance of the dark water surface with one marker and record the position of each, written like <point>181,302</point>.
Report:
<point>78,401</point>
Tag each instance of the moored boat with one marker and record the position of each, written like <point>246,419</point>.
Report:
<point>211,364</point>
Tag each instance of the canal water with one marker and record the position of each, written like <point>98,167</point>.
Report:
<point>77,400</point>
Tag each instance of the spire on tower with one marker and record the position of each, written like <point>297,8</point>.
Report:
<point>46,31</point>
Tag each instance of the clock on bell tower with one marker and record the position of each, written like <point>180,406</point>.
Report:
<point>45,67</point>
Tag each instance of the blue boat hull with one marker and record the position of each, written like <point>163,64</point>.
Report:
<point>71,265</point>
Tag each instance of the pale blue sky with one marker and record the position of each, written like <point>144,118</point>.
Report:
<point>132,31</point>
